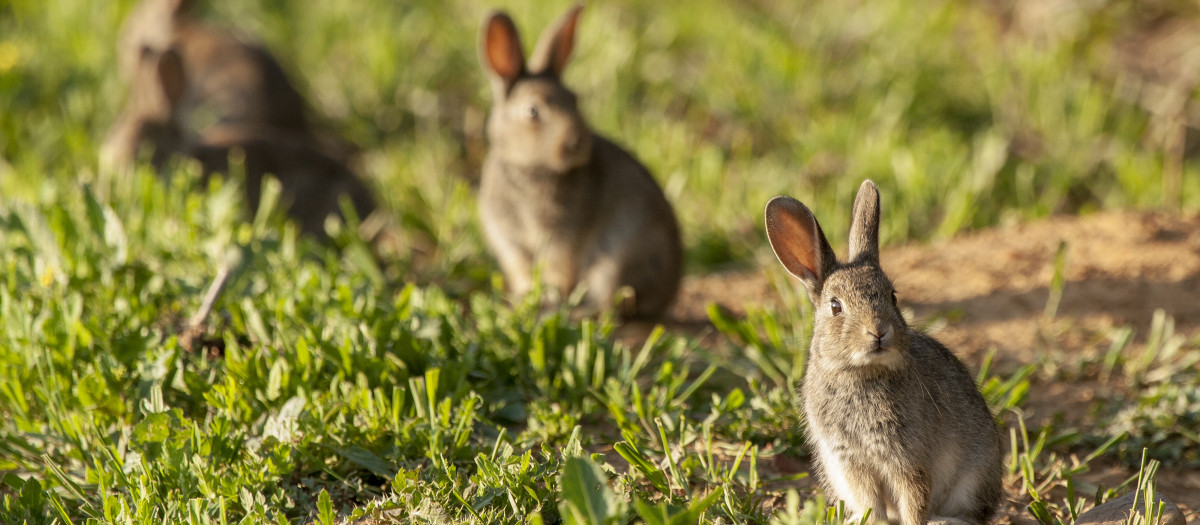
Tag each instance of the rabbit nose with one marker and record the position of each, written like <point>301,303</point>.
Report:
<point>880,330</point>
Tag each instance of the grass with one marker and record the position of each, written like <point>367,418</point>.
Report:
<point>330,387</point>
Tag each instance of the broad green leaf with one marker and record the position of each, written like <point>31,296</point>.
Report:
<point>586,498</point>
<point>325,514</point>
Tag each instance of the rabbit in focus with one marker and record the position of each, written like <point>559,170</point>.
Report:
<point>556,195</point>
<point>312,181</point>
<point>895,421</point>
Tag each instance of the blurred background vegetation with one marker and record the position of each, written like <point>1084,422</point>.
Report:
<point>967,114</point>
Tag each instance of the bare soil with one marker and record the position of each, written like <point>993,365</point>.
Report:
<point>991,289</point>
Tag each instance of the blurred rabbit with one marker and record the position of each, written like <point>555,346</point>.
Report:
<point>233,80</point>
<point>312,180</point>
<point>238,78</point>
<point>895,422</point>
<point>555,194</point>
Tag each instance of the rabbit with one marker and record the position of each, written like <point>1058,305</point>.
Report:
<point>895,421</point>
<point>312,180</point>
<point>241,80</point>
<point>231,80</point>
<point>555,195</point>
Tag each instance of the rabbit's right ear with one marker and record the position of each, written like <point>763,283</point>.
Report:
<point>501,53</point>
<point>799,242</point>
<point>864,224</point>
<point>554,48</point>
<point>171,77</point>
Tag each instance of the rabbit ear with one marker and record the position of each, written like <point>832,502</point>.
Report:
<point>799,242</point>
<point>171,78</point>
<point>556,43</point>
<point>501,53</point>
<point>864,224</point>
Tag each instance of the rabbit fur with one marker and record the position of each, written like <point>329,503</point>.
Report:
<point>895,421</point>
<point>557,197</point>
<point>312,180</point>
<point>240,78</point>
<point>231,79</point>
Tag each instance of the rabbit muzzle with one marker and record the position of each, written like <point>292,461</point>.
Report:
<point>879,335</point>
<point>879,347</point>
<point>576,147</point>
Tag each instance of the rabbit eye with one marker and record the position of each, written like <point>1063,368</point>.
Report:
<point>531,112</point>
<point>835,306</point>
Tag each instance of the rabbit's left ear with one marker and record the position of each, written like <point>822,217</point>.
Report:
<point>556,43</point>
<point>864,224</point>
<point>799,243</point>
<point>500,51</point>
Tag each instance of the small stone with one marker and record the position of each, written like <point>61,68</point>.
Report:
<point>1116,511</point>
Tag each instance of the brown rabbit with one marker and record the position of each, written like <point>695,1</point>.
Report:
<point>895,422</point>
<point>239,79</point>
<point>231,79</point>
<point>556,195</point>
<point>312,180</point>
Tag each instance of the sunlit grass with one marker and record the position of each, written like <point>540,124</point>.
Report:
<point>332,386</point>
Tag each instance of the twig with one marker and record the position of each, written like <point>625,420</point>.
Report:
<point>196,324</point>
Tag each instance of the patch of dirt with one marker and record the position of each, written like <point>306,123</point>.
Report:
<point>992,286</point>
<point>1119,268</point>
